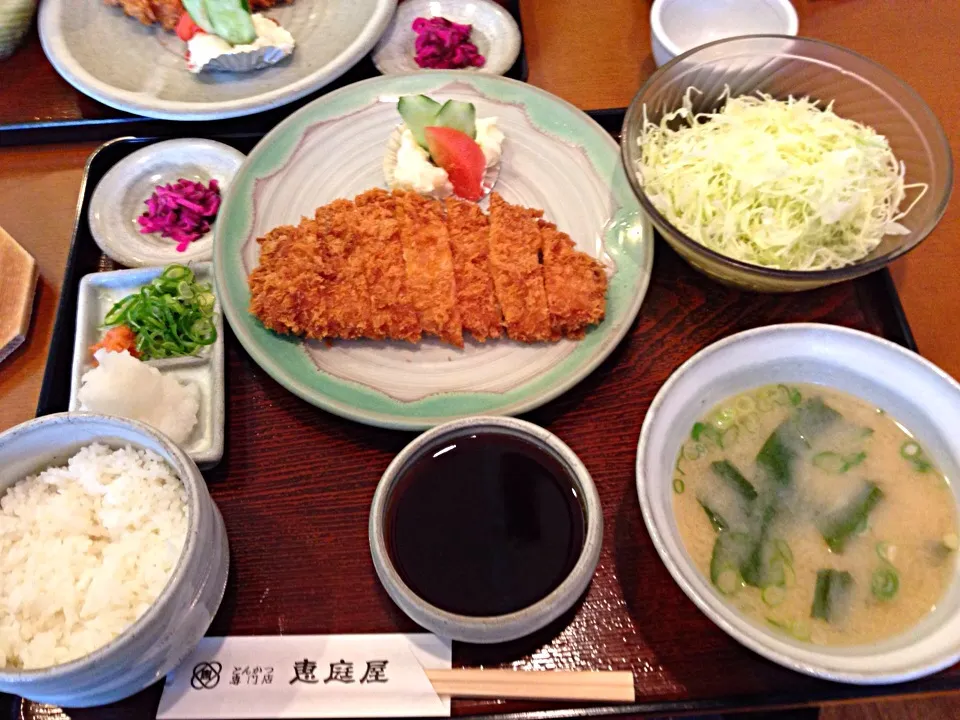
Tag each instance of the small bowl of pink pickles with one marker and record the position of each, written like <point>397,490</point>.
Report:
<point>158,205</point>
<point>182,211</point>
<point>444,45</point>
<point>474,35</point>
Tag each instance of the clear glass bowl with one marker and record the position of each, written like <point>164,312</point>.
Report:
<point>782,66</point>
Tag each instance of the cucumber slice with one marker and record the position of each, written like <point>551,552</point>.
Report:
<point>458,115</point>
<point>196,12</point>
<point>231,20</point>
<point>418,112</point>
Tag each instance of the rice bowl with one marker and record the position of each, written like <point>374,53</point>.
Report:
<point>84,550</point>
<point>165,629</point>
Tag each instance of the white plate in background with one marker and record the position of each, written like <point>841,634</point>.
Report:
<point>118,61</point>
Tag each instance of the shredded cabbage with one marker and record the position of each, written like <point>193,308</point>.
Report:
<point>782,184</point>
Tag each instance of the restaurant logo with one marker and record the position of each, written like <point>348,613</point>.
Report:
<point>206,675</point>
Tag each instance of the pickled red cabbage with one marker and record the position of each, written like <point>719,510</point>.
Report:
<point>445,45</point>
<point>181,211</point>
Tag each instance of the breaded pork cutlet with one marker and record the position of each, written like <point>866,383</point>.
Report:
<point>469,232</point>
<point>392,314</point>
<point>397,266</point>
<point>515,247</point>
<point>576,284</point>
<point>348,302</point>
<point>167,12</point>
<point>310,280</point>
<point>289,288</point>
<point>429,264</point>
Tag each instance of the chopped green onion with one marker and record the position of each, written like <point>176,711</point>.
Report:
<point>751,423</point>
<point>784,551</point>
<point>729,437</point>
<point>710,435</point>
<point>798,628</point>
<point>773,596</point>
<point>744,405</point>
<point>854,459</point>
<point>830,462</point>
<point>792,394</point>
<point>172,316</point>
<point>914,454</point>
<point>724,419</point>
<point>730,549</point>
<point>884,551</point>
<point>729,582</point>
<point>692,451</point>
<point>885,583</point>
<point>837,464</point>
<point>679,486</point>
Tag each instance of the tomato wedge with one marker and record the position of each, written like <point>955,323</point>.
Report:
<point>458,154</point>
<point>187,28</point>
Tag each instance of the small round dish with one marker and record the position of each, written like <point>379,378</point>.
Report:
<point>119,198</point>
<point>677,26</point>
<point>913,390</point>
<point>495,33</point>
<point>493,628</point>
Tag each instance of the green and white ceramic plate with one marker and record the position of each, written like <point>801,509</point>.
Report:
<point>555,157</point>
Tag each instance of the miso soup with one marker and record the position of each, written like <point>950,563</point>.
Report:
<point>816,514</point>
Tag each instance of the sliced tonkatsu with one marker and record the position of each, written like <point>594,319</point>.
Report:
<point>392,314</point>
<point>469,231</point>
<point>347,310</point>
<point>429,265</point>
<point>401,266</point>
<point>576,284</point>
<point>515,247</point>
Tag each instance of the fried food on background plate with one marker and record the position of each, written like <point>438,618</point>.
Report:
<point>167,12</point>
<point>400,266</point>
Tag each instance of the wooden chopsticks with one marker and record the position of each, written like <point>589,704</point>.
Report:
<point>614,686</point>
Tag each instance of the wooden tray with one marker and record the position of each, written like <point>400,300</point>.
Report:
<point>296,483</point>
<point>38,106</point>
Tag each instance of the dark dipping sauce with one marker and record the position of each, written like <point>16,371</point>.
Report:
<point>484,523</point>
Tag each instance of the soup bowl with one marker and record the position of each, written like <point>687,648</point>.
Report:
<point>175,622</point>
<point>910,389</point>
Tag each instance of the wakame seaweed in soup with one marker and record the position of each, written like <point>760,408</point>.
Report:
<point>816,513</point>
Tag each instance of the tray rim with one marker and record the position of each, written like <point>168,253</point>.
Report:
<point>610,119</point>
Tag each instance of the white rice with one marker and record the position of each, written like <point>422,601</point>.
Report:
<point>84,551</point>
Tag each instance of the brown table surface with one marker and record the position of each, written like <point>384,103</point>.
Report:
<point>593,54</point>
